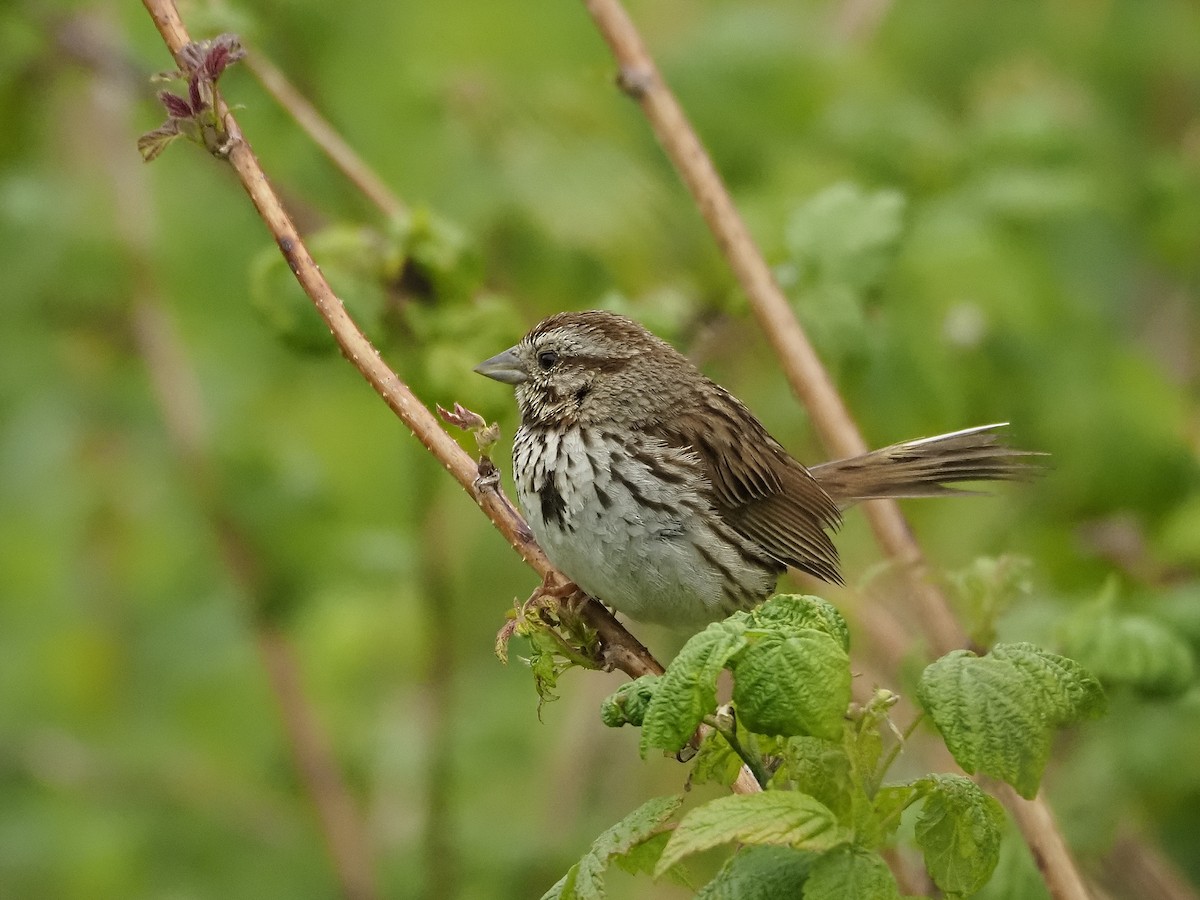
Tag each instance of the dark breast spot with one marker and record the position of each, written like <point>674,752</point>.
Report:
<point>553,505</point>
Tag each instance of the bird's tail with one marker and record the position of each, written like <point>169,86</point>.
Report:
<point>926,467</point>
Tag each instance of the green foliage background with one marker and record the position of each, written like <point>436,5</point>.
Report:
<point>985,211</point>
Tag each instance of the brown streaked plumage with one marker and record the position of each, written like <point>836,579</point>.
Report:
<point>659,492</point>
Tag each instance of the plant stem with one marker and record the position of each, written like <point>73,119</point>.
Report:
<point>887,761</point>
<point>725,724</point>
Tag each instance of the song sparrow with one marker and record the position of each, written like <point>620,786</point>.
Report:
<point>655,490</point>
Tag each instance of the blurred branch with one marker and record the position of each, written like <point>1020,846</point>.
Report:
<point>177,394</point>
<point>640,78</point>
<point>1140,870</point>
<point>858,20</point>
<point>441,858</point>
<point>324,135</point>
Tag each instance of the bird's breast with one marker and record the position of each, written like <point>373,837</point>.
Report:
<point>630,521</point>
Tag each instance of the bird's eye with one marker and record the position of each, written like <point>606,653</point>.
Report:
<point>546,360</point>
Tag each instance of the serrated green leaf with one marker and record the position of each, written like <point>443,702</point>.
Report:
<point>715,761</point>
<point>987,588</point>
<point>959,832</point>
<point>585,879</point>
<point>997,713</point>
<point>845,235</point>
<point>785,818</point>
<point>627,706</point>
<point>760,873</point>
<point>889,802</point>
<point>1135,651</point>
<point>821,769</point>
<point>790,613</point>
<point>1067,691</point>
<point>557,889</point>
<point>545,663</point>
<point>687,691</point>
<point>850,873</point>
<point>793,685</point>
<point>642,857</point>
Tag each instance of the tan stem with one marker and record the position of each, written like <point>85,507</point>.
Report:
<point>324,135</point>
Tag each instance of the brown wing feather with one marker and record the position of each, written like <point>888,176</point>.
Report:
<point>759,490</point>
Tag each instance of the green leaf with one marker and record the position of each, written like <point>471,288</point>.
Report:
<point>715,761</point>
<point>997,712</point>
<point>585,879</point>
<point>352,261</point>
<point>687,691</point>
<point>442,262</point>
<point>850,873</point>
<point>627,706</point>
<point>844,235</point>
<point>793,685</point>
<point>546,663</point>
<point>785,818</point>
<point>1135,651</point>
<point>791,613</point>
<point>889,803</point>
<point>959,832</point>
<point>821,769</point>
<point>987,588</point>
<point>760,873</point>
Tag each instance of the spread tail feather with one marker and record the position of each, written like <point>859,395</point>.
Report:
<point>926,467</point>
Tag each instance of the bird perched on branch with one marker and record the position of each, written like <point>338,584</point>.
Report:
<point>658,492</point>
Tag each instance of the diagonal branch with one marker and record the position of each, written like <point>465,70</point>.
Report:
<point>640,78</point>
<point>324,135</point>
<point>623,651</point>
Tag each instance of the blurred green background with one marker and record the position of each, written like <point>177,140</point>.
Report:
<point>984,212</point>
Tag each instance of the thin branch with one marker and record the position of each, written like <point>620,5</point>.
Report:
<point>725,724</point>
<point>323,134</point>
<point>640,78</point>
<point>625,652</point>
<point>1141,870</point>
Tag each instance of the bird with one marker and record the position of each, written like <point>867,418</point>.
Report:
<point>658,492</point>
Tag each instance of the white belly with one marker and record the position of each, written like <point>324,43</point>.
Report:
<point>630,538</point>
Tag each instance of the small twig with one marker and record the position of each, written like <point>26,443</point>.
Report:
<point>724,722</point>
<point>632,657</point>
<point>886,762</point>
<point>324,135</point>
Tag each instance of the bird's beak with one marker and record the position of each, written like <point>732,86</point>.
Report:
<point>504,367</point>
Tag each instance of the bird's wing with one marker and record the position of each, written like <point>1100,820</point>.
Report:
<point>758,489</point>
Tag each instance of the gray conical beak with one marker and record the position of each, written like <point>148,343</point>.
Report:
<point>506,367</point>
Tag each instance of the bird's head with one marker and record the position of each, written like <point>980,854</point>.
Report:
<point>590,367</point>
